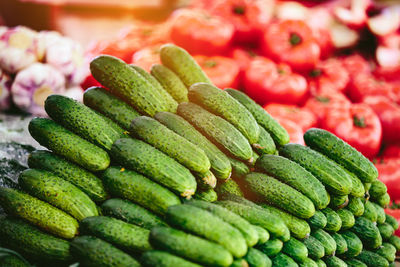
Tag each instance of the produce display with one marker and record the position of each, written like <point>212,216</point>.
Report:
<point>144,173</point>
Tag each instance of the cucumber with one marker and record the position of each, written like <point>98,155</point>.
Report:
<point>340,151</point>
<point>335,179</point>
<point>326,240</point>
<point>308,263</point>
<point>271,248</point>
<point>334,262</point>
<point>358,189</point>
<point>222,104</point>
<point>112,124</point>
<point>239,169</point>
<point>84,180</point>
<point>282,260</point>
<point>338,202</point>
<point>240,263</point>
<point>355,263</point>
<point>256,258</point>
<point>296,176</point>
<point>395,241</point>
<point>367,187</point>
<point>228,187</point>
<point>354,244</point>
<point>368,232</point>
<point>377,189</point>
<point>347,218</point>
<point>208,195</point>
<point>220,164</point>
<point>263,235</point>
<point>383,200</point>
<point>66,144</point>
<point>127,83</point>
<point>372,259</point>
<point>315,248</point>
<point>370,211</point>
<point>320,263</point>
<point>254,159</point>
<point>265,144</point>
<point>38,212</point>
<point>380,212</point>
<point>92,251</point>
<point>11,260</point>
<point>277,132</point>
<point>392,221</point>
<point>217,129</point>
<point>246,229</point>
<point>280,195</point>
<point>97,98</point>
<point>156,258</point>
<point>318,220</point>
<point>139,189</point>
<point>30,241</point>
<point>388,251</point>
<point>386,230</point>
<point>156,134</point>
<point>356,206</point>
<point>295,249</point>
<point>341,244</point>
<point>181,62</point>
<point>58,192</point>
<point>141,157</point>
<point>334,223</point>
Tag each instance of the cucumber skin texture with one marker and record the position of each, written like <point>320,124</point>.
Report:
<point>164,259</point>
<point>125,82</point>
<point>207,225</point>
<point>177,147</point>
<point>263,235</point>
<point>392,221</point>
<point>11,260</point>
<point>319,220</point>
<point>66,144</point>
<point>315,249</point>
<point>282,260</point>
<point>308,263</point>
<point>335,262</point>
<point>370,211</point>
<point>208,195</point>
<point>356,206</point>
<point>383,200</point>
<point>222,104</point>
<point>386,230</point>
<point>239,263</point>
<point>38,212</point>
<point>265,143</point>
<point>297,177</point>
<point>377,189</point>
<point>271,248</point>
<point>395,241</point>
<point>127,236</point>
<point>338,202</point>
<point>220,164</point>
<point>131,213</point>
<point>355,263</point>
<point>347,218</point>
<point>57,192</point>
<point>228,187</point>
<point>110,106</point>
<point>28,239</point>
<point>280,195</point>
<point>320,263</point>
<point>372,259</point>
<point>380,212</point>
<point>341,245</point>
<point>335,179</point>
<point>92,251</point>
<point>239,169</point>
<point>354,244</point>
<point>139,189</point>
<point>256,258</point>
<point>139,156</point>
<point>81,120</point>
<point>217,129</point>
<point>326,240</point>
<point>84,180</point>
<point>368,232</point>
<point>277,132</point>
<point>358,189</point>
<point>295,249</point>
<point>340,151</point>
<point>388,251</point>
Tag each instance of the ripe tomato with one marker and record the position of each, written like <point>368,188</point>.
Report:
<point>391,151</point>
<point>147,57</point>
<point>389,174</point>
<point>364,84</point>
<point>356,64</point>
<point>295,132</point>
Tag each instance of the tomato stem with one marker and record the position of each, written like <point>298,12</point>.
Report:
<point>295,39</point>
<point>359,121</point>
<point>316,73</point>
<point>238,10</point>
<point>323,99</point>
<point>210,64</point>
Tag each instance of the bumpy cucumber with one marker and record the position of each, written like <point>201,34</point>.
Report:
<point>395,241</point>
<point>356,206</point>
<point>220,164</point>
<point>386,230</point>
<point>228,187</point>
<point>139,189</point>
<point>320,263</point>
<point>377,189</point>
<point>347,218</point>
<point>256,258</point>
<point>265,144</point>
<point>372,259</point>
<point>355,263</point>
<point>217,129</point>
<point>326,240</point>
<point>388,251</point>
<point>368,232</point>
<point>383,200</point>
<point>12,260</point>
<point>58,192</point>
<point>341,244</point>
<point>295,249</point>
<point>334,262</point>
<point>239,169</point>
<point>271,248</point>
<point>296,176</point>
<point>109,105</point>
<point>263,235</point>
<point>240,263</point>
<point>277,132</point>
<point>112,124</point>
<point>282,260</point>
<point>340,151</point>
<point>208,195</point>
<point>392,221</point>
<point>380,212</point>
<point>144,158</point>
<point>37,212</point>
<point>65,143</point>
<point>315,248</point>
<point>308,263</point>
<point>338,202</point>
<point>370,211</point>
<point>164,259</point>
<point>318,220</point>
<point>354,244</point>
<point>358,189</point>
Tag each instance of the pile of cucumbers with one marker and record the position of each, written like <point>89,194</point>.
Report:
<point>164,169</point>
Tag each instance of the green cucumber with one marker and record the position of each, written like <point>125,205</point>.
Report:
<point>139,189</point>
<point>282,260</point>
<point>208,195</point>
<point>377,189</point>
<point>320,263</point>
<point>395,241</point>
<point>315,248</point>
<point>308,263</point>
<point>228,187</point>
<point>354,244</point>
<point>256,258</point>
<point>265,144</point>
<point>271,248</point>
<point>255,157</point>
<point>355,263</point>
<point>239,169</point>
<point>392,221</point>
<point>156,258</point>
<point>326,240</point>
<point>388,251</point>
<point>347,218</point>
<point>335,179</point>
<point>240,263</point>
<point>263,235</point>
<point>340,151</point>
<point>386,230</point>
<point>383,200</point>
<point>334,262</point>
<point>318,220</point>
<point>12,260</point>
<point>356,206</point>
<point>65,143</point>
<point>380,212</point>
<point>144,158</point>
<point>338,202</point>
<point>341,244</point>
<point>368,232</point>
<point>295,249</point>
<point>334,223</point>
<point>372,259</point>
<point>367,187</point>
<point>112,124</point>
<point>358,189</point>
<point>370,211</point>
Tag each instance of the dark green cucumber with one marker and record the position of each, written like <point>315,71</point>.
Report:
<point>282,260</point>
<point>354,244</point>
<point>347,218</point>
<point>341,244</point>
<point>356,206</point>
<point>265,144</point>
<point>334,223</point>
<point>277,132</point>
<point>370,211</point>
<point>340,151</point>
<point>296,176</point>
<point>338,202</point>
<point>112,124</point>
<point>30,241</point>
<point>93,252</point>
<point>334,262</point>
<point>144,158</point>
<point>220,164</point>
<point>318,220</point>
<point>124,235</point>
<point>156,258</point>
<point>57,192</point>
<point>326,240</point>
<point>386,230</point>
<point>208,195</point>
<point>335,179</point>
<point>280,195</point>
<point>380,212</point>
<point>65,143</point>
<point>368,232</point>
<point>271,248</point>
<point>358,189</point>
<point>372,259</point>
<point>392,221</point>
<point>355,263</point>
<point>217,129</point>
<point>103,101</point>
<point>395,241</point>
<point>388,251</point>
<point>315,248</point>
<point>295,249</point>
<point>228,187</point>
<point>239,169</point>
<point>139,189</point>
<point>84,180</point>
<point>12,260</point>
<point>222,104</point>
<point>308,263</point>
<point>240,263</point>
<point>383,200</point>
<point>38,212</point>
<point>320,263</point>
<point>263,235</point>
<point>207,225</point>
<point>256,258</point>
<point>377,189</point>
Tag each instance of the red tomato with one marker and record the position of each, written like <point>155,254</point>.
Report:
<point>300,116</point>
<point>147,57</point>
<point>358,125</point>
<point>396,214</point>
<point>364,84</point>
<point>267,82</point>
<point>295,132</point>
<point>200,33</point>
<point>356,64</point>
<point>389,174</point>
<point>323,37</point>
<point>292,42</point>
<point>223,71</point>
<point>243,57</point>
<point>89,82</point>
<point>391,151</point>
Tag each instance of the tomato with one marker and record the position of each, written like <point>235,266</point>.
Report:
<point>264,81</point>
<point>391,151</point>
<point>291,42</point>
<point>396,214</point>
<point>200,33</point>
<point>147,57</point>
<point>301,116</point>
<point>89,82</point>
<point>295,132</point>
<point>364,84</point>
<point>223,71</point>
<point>389,174</point>
<point>358,125</point>
<point>356,64</point>
<point>324,40</point>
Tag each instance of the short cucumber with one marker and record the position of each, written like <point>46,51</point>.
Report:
<point>156,258</point>
<point>282,260</point>
<point>368,232</point>
<point>358,189</point>
<point>208,195</point>
<point>334,223</point>
<point>334,262</point>
<point>388,251</point>
<point>341,244</point>
<point>265,144</point>
<point>377,189</point>
<point>395,241</point>
<point>320,263</point>
<point>308,263</point>
<point>112,124</point>
<point>240,263</point>
<point>383,200</point>
<point>380,212</point>
<point>386,230</point>
<point>355,263</point>
<point>356,206</point>
<point>228,187</point>
<point>354,244</point>
<point>239,169</point>
<point>318,220</point>
<point>295,249</point>
<point>271,248</point>
<point>347,218</point>
<point>392,221</point>
<point>12,260</point>
<point>338,202</point>
<point>256,258</point>
<point>370,211</point>
<point>326,240</point>
<point>263,235</point>
<point>315,248</point>
<point>372,259</point>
